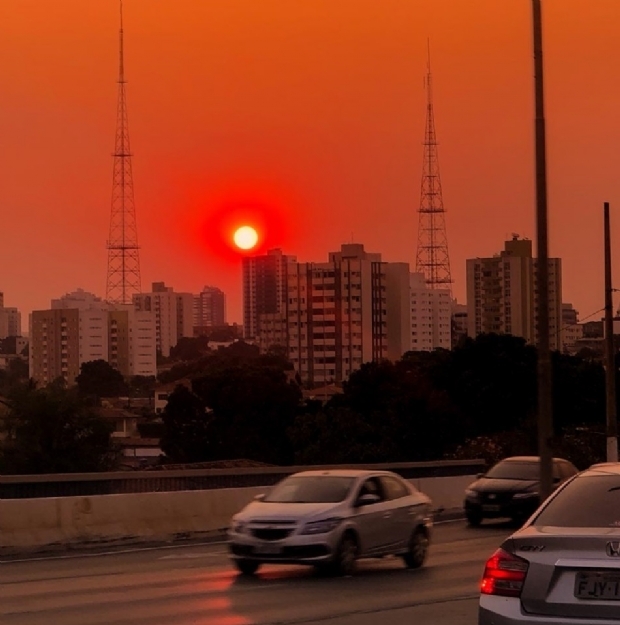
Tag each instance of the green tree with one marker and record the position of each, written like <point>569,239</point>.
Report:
<point>52,430</point>
<point>142,385</point>
<point>99,379</point>
<point>186,436</point>
<point>190,348</point>
<point>491,382</point>
<point>252,407</point>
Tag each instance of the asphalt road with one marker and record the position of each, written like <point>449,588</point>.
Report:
<point>197,585</point>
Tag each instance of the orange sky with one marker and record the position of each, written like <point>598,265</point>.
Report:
<point>314,107</point>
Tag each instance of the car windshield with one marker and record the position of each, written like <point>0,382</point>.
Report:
<point>311,489</point>
<point>512,470</point>
<point>587,501</point>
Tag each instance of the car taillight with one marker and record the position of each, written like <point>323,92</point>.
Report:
<point>504,575</point>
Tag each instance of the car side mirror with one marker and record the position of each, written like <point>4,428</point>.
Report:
<point>367,500</point>
<point>259,497</point>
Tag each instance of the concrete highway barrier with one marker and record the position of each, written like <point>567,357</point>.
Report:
<point>68,521</point>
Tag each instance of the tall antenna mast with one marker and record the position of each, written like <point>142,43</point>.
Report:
<point>432,257</point>
<point>123,280</point>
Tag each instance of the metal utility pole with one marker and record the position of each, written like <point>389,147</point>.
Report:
<point>610,356</point>
<point>545,399</point>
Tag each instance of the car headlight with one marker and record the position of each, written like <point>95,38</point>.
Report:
<point>321,527</point>
<point>239,527</point>
<point>529,495</point>
<point>472,494</point>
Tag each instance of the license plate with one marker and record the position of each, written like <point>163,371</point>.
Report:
<point>491,508</point>
<point>597,586</point>
<point>270,550</point>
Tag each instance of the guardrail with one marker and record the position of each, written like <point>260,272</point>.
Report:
<point>121,482</point>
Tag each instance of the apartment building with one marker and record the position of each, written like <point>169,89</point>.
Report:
<point>572,330</point>
<point>264,288</point>
<point>210,308</point>
<point>502,294</point>
<point>431,312</point>
<point>81,327</point>
<point>336,315</point>
<point>10,320</point>
<point>174,314</point>
<point>132,341</point>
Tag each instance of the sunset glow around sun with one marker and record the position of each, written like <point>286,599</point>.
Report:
<point>245,238</point>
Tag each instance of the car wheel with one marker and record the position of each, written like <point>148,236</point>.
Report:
<point>345,560</point>
<point>418,549</point>
<point>247,567</point>
<point>474,518</point>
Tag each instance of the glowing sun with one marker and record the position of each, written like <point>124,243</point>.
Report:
<point>245,238</point>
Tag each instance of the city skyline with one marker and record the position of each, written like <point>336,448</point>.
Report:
<point>328,138</point>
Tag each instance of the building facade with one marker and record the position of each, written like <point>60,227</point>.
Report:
<point>502,294</point>
<point>337,315</point>
<point>431,311</point>
<point>81,327</point>
<point>10,320</point>
<point>572,330</point>
<point>459,322</point>
<point>210,308</point>
<point>174,314</point>
<point>264,288</point>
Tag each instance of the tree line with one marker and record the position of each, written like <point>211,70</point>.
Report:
<point>476,401</point>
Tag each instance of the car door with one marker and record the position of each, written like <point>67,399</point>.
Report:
<point>371,518</point>
<point>402,511</point>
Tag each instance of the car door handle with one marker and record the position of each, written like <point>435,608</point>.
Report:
<point>387,515</point>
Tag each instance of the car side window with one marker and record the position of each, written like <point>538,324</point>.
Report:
<point>394,489</point>
<point>371,486</point>
<point>557,472</point>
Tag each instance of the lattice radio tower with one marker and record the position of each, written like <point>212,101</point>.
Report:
<point>123,252</point>
<point>432,257</point>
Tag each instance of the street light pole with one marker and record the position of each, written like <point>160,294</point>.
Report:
<point>610,356</point>
<point>545,400</point>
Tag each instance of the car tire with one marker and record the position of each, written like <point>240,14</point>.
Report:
<point>417,550</point>
<point>474,518</point>
<point>345,559</point>
<point>247,567</point>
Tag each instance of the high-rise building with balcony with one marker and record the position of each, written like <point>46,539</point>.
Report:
<point>210,308</point>
<point>502,297</point>
<point>431,310</point>
<point>81,327</point>
<point>336,315</point>
<point>174,314</point>
<point>264,288</point>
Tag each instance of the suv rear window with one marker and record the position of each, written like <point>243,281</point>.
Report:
<point>587,501</point>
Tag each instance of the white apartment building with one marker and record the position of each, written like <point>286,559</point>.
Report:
<point>81,327</point>
<point>80,300</point>
<point>132,341</point>
<point>264,288</point>
<point>174,314</point>
<point>431,312</point>
<point>10,320</point>
<point>339,314</point>
<point>502,295</point>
